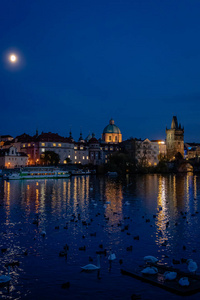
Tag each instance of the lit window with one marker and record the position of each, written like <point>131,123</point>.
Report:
<point>79,162</point>
<point>29,145</point>
<point>59,145</point>
<point>111,148</point>
<point>68,156</point>
<point>75,147</point>
<point>75,157</point>
<point>24,145</point>
<point>81,147</point>
<point>65,161</point>
<point>87,157</point>
<point>54,144</point>
<point>43,150</point>
<point>83,157</point>
<point>42,144</point>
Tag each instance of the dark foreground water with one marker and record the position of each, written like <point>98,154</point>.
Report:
<point>69,202</point>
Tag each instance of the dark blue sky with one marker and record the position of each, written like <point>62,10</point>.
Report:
<point>83,62</point>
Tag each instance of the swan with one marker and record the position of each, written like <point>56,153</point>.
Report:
<point>111,256</point>
<point>43,233</point>
<point>4,279</point>
<point>127,203</point>
<point>91,267</point>
<point>150,259</point>
<point>184,281</point>
<point>192,265</point>
<point>170,275</point>
<point>150,270</point>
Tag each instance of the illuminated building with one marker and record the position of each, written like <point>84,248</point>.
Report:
<point>112,133</point>
<point>174,139</point>
<point>11,158</point>
<point>148,152</point>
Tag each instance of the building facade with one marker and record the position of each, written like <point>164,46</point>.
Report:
<point>148,153</point>
<point>11,158</point>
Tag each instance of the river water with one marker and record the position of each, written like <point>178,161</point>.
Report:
<point>96,213</point>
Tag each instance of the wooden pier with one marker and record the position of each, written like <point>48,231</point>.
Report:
<point>171,286</point>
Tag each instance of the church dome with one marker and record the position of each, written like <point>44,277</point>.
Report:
<point>111,128</point>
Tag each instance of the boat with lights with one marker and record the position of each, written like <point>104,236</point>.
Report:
<point>38,173</point>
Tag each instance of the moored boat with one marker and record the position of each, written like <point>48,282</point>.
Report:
<point>38,173</point>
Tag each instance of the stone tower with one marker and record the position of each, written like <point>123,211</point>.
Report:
<point>174,139</point>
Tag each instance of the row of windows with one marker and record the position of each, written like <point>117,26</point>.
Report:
<point>110,138</point>
<point>14,158</point>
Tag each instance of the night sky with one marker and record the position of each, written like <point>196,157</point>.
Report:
<point>82,62</point>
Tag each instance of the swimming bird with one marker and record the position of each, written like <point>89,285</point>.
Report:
<point>192,265</point>
<point>150,259</point>
<point>126,203</point>
<point>150,270</point>
<point>5,279</point>
<point>184,281</point>
<point>111,256</point>
<point>170,275</point>
<point>43,233</point>
<point>91,267</point>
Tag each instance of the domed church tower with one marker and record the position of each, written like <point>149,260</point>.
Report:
<point>112,133</point>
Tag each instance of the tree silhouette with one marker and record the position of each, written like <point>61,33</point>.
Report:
<point>50,158</point>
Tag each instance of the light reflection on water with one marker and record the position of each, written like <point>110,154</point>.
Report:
<point>163,211</point>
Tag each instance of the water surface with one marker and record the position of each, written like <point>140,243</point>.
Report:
<point>162,210</point>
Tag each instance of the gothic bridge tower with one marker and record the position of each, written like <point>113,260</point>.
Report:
<point>174,139</point>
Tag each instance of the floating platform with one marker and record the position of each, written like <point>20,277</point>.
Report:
<point>171,286</point>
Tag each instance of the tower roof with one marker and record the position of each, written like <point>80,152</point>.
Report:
<point>111,128</point>
<point>174,124</point>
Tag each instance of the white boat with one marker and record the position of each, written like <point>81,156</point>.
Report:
<point>38,173</point>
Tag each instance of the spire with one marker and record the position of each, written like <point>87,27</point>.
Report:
<point>70,134</point>
<point>81,137</point>
<point>174,124</point>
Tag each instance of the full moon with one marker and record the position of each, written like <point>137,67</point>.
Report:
<point>13,58</point>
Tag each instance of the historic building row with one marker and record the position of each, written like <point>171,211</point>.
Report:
<point>31,149</point>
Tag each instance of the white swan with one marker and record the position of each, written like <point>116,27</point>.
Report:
<point>170,275</point>
<point>184,281</point>
<point>43,233</point>
<point>192,265</point>
<point>91,267</point>
<point>150,270</point>
<point>4,279</point>
<point>150,259</point>
<point>127,203</point>
<point>111,256</point>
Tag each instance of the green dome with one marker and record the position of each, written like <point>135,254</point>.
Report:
<point>111,128</point>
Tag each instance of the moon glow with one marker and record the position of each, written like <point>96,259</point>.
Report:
<point>13,58</point>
